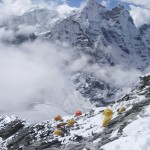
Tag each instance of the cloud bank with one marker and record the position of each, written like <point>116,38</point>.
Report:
<point>140,11</point>
<point>36,74</point>
<point>140,15</point>
<point>36,77</point>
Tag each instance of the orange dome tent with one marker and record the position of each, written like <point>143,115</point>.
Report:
<point>78,113</point>
<point>58,118</point>
<point>58,132</point>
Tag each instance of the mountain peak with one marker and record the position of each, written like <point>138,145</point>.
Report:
<point>120,7</point>
<point>93,5</point>
<point>91,2</point>
<point>91,11</point>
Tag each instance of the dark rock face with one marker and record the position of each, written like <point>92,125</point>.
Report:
<point>23,137</point>
<point>10,128</point>
<point>94,89</point>
<point>145,33</point>
<point>70,28</point>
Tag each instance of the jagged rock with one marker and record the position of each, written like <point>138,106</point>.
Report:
<point>40,136</point>
<point>23,137</point>
<point>10,127</point>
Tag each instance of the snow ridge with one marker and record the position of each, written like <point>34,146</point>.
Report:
<point>87,132</point>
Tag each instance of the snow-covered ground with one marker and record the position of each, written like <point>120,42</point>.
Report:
<point>135,136</point>
<point>130,129</point>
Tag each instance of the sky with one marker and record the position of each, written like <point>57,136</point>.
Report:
<point>76,3</point>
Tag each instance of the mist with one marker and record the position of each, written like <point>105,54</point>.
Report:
<point>36,78</point>
<point>34,74</point>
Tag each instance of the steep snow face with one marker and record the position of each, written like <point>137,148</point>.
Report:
<point>41,18</point>
<point>70,30</point>
<point>114,40</point>
<point>91,26</point>
<point>91,11</point>
<point>118,30</point>
<point>96,27</point>
<point>145,32</point>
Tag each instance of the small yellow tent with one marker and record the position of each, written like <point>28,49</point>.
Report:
<point>122,109</point>
<point>106,121</point>
<point>58,118</point>
<point>58,132</point>
<point>107,112</point>
<point>70,122</point>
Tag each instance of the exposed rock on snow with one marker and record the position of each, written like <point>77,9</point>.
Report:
<point>107,37</point>
<point>87,132</point>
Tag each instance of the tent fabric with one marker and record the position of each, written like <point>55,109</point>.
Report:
<point>71,122</point>
<point>58,118</point>
<point>78,113</point>
<point>58,132</point>
<point>60,125</point>
<point>107,112</point>
<point>122,109</point>
<point>106,121</point>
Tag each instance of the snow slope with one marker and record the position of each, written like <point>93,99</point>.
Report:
<point>127,130</point>
<point>135,136</point>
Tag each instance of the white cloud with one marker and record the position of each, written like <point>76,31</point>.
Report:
<point>10,7</point>
<point>140,15</point>
<point>18,7</point>
<point>35,79</point>
<point>140,11</point>
<point>65,9</point>
<point>145,3</point>
<point>26,29</point>
<point>6,34</point>
<point>105,3</point>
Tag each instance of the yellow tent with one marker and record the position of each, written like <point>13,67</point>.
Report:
<point>58,118</point>
<point>58,132</point>
<point>70,122</point>
<point>106,121</point>
<point>107,112</point>
<point>122,109</point>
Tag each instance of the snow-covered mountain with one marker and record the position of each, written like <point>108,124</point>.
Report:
<point>145,32</point>
<point>106,37</point>
<point>126,130</point>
